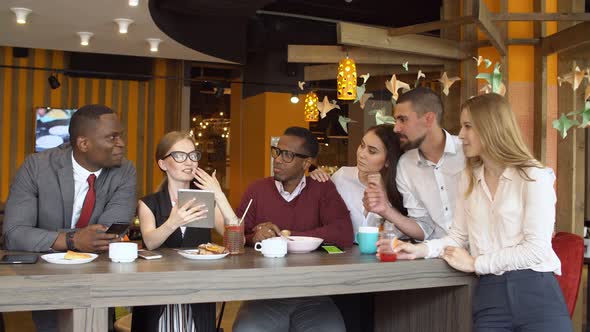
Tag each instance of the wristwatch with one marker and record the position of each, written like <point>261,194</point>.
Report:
<point>70,240</point>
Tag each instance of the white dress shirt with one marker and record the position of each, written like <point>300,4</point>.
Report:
<point>289,196</point>
<point>507,232</point>
<point>428,189</point>
<point>352,190</point>
<point>81,175</point>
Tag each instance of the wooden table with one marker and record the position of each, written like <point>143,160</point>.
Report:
<point>422,295</point>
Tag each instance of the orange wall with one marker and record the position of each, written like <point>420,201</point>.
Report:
<point>147,110</point>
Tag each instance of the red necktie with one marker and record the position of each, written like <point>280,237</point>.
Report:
<point>88,205</point>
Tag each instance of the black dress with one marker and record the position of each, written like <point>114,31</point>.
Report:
<point>146,318</point>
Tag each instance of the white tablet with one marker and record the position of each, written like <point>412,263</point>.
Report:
<point>205,197</point>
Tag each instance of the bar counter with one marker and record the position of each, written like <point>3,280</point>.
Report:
<point>421,295</point>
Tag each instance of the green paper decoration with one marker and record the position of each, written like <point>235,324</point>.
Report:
<point>563,124</point>
<point>494,78</point>
<point>344,122</point>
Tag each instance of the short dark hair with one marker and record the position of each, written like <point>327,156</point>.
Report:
<point>424,100</point>
<point>311,145</point>
<point>84,118</point>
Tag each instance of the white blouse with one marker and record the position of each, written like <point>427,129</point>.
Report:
<point>352,190</point>
<point>511,231</point>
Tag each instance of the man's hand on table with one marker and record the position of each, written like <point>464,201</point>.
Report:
<point>264,231</point>
<point>93,238</point>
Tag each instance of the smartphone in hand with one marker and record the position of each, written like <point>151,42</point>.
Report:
<point>118,228</point>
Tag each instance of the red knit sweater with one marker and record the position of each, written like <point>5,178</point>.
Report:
<point>317,211</point>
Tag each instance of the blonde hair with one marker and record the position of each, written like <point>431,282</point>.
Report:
<point>500,136</point>
<point>165,144</point>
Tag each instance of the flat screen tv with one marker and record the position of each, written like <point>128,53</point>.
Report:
<point>51,127</point>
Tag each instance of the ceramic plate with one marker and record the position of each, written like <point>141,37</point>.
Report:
<point>61,131</point>
<point>194,254</point>
<point>58,258</point>
<point>49,141</point>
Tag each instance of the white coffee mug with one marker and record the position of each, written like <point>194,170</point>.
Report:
<point>123,252</point>
<point>273,247</point>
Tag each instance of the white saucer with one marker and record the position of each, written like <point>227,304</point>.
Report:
<point>58,258</point>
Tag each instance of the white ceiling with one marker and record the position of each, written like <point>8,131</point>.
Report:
<point>53,25</point>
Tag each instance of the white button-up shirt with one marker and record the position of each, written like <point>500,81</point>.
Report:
<point>289,196</point>
<point>428,189</point>
<point>507,232</point>
<point>81,175</point>
<point>352,190</point>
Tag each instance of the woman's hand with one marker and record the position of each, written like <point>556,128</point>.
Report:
<point>404,250</point>
<point>459,259</point>
<point>206,181</point>
<point>188,212</point>
<point>375,200</point>
<point>319,175</point>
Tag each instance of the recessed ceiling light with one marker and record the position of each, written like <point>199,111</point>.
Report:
<point>123,24</point>
<point>85,37</point>
<point>154,43</point>
<point>133,3</point>
<point>21,14</point>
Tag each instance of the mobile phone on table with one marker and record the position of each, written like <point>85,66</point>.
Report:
<point>18,259</point>
<point>331,248</point>
<point>118,228</point>
<point>146,254</point>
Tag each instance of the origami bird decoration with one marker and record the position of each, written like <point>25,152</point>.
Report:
<point>301,85</point>
<point>344,121</point>
<point>563,124</point>
<point>366,77</point>
<point>325,106</point>
<point>383,119</point>
<point>420,75</point>
<point>360,91</point>
<point>394,85</point>
<point>364,99</point>
<point>405,65</point>
<point>494,79</point>
<point>574,78</point>
<point>447,82</point>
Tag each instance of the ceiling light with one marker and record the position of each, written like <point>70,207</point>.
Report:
<point>21,14</point>
<point>123,24</point>
<point>133,3</point>
<point>311,107</point>
<point>154,42</point>
<point>85,37</point>
<point>221,113</point>
<point>294,99</point>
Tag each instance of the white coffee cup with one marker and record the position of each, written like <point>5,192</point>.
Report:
<point>273,247</point>
<point>123,252</point>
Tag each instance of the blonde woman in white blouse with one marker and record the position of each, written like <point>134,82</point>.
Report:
<point>505,213</point>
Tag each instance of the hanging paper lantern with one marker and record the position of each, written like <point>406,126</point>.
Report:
<point>311,107</point>
<point>346,79</point>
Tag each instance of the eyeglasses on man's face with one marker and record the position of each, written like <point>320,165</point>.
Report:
<point>288,156</point>
<point>180,156</point>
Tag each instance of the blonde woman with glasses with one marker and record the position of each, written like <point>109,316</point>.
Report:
<point>163,224</point>
<point>505,213</point>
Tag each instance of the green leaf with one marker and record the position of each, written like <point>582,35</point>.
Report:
<point>563,124</point>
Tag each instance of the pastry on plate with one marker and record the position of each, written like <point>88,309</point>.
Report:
<point>76,255</point>
<point>212,248</point>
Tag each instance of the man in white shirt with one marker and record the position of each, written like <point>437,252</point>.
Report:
<point>427,173</point>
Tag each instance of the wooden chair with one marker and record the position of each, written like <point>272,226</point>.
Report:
<point>570,250</point>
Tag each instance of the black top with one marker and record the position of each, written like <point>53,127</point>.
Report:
<point>160,205</point>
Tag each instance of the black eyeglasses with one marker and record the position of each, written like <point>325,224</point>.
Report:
<point>180,156</point>
<point>287,155</point>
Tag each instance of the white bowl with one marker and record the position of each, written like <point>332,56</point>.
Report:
<point>303,244</point>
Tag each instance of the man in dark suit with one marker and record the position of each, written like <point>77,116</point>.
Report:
<point>66,197</point>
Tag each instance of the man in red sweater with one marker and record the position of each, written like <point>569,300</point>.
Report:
<point>292,201</point>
